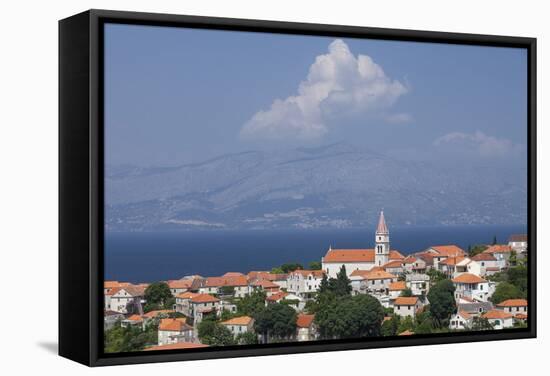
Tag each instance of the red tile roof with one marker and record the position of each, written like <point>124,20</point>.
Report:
<point>513,303</point>
<point>401,300</point>
<point>204,298</point>
<point>304,321</point>
<point>498,248</point>
<point>484,257</point>
<point>521,316</point>
<point>241,320</point>
<point>186,295</point>
<point>393,264</point>
<point>496,314</point>
<point>397,286</point>
<point>135,318</point>
<point>406,333</point>
<point>240,280</point>
<point>465,315</point>
<point>468,278</point>
<point>176,346</point>
<point>356,255</point>
<point>451,261</point>
<point>518,238</point>
<point>174,325</point>
<point>233,274</point>
<point>277,296</point>
<point>180,284</point>
<point>265,284</point>
<point>448,250</point>
<point>373,274</point>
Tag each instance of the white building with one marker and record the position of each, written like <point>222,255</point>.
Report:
<point>518,243</point>
<point>513,306</point>
<point>501,252</point>
<point>306,330</point>
<point>441,252</point>
<point>488,263</point>
<point>239,325</point>
<point>406,306</point>
<point>237,283</point>
<point>460,321</point>
<point>174,331</point>
<point>304,283</point>
<point>418,283</point>
<point>362,259</point>
<point>374,281</point>
<point>499,319</point>
<point>128,299</point>
<point>472,286</point>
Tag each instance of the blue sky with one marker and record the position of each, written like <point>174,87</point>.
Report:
<point>174,96</point>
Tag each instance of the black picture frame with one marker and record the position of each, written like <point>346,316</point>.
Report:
<point>81,184</point>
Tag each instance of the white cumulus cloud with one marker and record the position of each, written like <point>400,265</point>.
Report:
<point>338,83</point>
<point>477,143</point>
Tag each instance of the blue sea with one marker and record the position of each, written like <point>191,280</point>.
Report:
<point>146,257</point>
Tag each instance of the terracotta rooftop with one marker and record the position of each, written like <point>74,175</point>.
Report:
<point>277,296</point>
<point>453,260</point>
<point>393,264</point>
<point>186,295</point>
<point>518,238</point>
<point>204,298</point>
<point>397,286</point>
<point>401,300</point>
<point>241,320</point>
<point>406,333</point>
<point>448,250</point>
<point>484,257</point>
<point>496,314</point>
<point>240,280</point>
<point>135,318</point>
<point>174,325</point>
<point>176,346</point>
<point>498,248</point>
<point>513,303</point>
<point>304,321</point>
<point>356,255</point>
<point>468,278</point>
<point>465,315</point>
<point>373,274</point>
<point>180,284</point>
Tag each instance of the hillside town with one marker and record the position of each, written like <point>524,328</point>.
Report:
<point>349,293</point>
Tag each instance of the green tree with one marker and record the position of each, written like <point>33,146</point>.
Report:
<point>276,321</point>
<point>436,276</point>
<point>504,291</point>
<point>341,285</point>
<point>406,293</point>
<point>291,266</point>
<point>480,323</point>
<point>517,276</point>
<point>158,296</point>
<point>213,333</point>
<point>349,317</point>
<point>476,249</point>
<point>251,304</point>
<point>247,338</point>
<point>131,338</point>
<point>277,270</point>
<point>315,265</point>
<point>495,240</point>
<point>389,327</point>
<point>405,324</point>
<point>442,302</point>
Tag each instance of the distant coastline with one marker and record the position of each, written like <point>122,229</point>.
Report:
<point>152,256</point>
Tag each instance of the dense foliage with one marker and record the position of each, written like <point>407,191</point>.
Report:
<point>276,321</point>
<point>158,296</point>
<point>131,338</point>
<point>442,303</point>
<point>212,333</point>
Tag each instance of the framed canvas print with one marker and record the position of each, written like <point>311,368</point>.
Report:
<point>239,187</point>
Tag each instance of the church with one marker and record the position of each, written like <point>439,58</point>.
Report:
<point>362,259</point>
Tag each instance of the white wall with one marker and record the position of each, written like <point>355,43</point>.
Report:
<point>28,158</point>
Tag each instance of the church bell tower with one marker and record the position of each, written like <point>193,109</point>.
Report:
<point>382,242</point>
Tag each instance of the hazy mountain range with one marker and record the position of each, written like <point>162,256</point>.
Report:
<point>337,185</point>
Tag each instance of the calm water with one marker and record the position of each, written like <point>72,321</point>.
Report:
<point>146,257</point>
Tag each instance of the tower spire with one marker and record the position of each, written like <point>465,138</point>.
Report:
<point>382,228</point>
